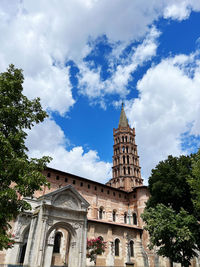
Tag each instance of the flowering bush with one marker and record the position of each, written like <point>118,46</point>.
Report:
<point>95,247</point>
<point>6,241</point>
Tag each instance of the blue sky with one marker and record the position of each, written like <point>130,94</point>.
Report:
<point>83,57</point>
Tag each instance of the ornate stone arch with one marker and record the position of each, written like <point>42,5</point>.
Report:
<point>70,227</point>
<point>63,208</point>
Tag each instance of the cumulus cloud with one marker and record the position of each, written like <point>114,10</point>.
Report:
<point>36,37</point>
<point>41,37</point>
<point>180,9</point>
<point>168,106</point>
<point>53,87</point>
<point>48,138</point>
<point>90,80</point>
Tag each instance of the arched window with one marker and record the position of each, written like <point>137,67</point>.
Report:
<point>23,247</point>
<point>132,248</point>
<point>134,219</point>
<point>124,170</point>
<point>123,159</point>
<point>57,242</point>
<point>123,139</point>
<point>126,149</point>
<point>127,159</point>
<point>101,213</point>
<point>123,149</point>
<point>129,170</point>
<point>117,247</point>
<point>114,215</point>
<point>126,139</point>
<point>125,217</point>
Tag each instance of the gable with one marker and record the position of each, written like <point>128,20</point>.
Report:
<point>66,197</point>
<point>66,200</point>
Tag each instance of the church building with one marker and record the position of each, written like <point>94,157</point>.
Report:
<point>74,209</point>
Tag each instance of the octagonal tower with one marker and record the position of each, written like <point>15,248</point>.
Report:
<point>126,172</point>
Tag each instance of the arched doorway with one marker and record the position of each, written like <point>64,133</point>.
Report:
<point>61,245</point>
<point>60,255</point>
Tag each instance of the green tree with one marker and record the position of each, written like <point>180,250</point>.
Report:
<point>194,182</point>
<point>175,235</point>
<point>173,226</point>
<point>19,174</point>
<point>168,183</point>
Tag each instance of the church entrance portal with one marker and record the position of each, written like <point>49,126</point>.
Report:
<point>57,234</point>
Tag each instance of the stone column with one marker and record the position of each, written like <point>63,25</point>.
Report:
<point>84,242</point>
<point>140,256</point>
<point>38,237</point>
<point>73,253</point>
<point>14,253</point>
<point>48,255</point>
<point>30,239</point>
<point>110,256</point>
<point>49,250</point>
<point>41,251</point>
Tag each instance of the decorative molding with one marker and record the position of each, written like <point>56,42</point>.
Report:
<point>66,201</point>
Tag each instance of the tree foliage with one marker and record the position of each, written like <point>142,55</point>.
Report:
<point>19,174</point>
<point>194,182</point>
<point>170,214</point>
<point>174,234</point>
<point>168,183</point>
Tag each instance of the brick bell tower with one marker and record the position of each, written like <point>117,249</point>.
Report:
<point>126,172</point>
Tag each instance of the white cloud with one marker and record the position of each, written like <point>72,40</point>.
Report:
<point>180,9</point>
<point>180,12</point>
<point>53,87</point>
<point>90,81</point>
<point>48,139</point>
<point>36,37</point>
<point>169,102</point>
<point>40,37</point>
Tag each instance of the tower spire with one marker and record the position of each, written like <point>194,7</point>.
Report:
<point>126,168</point>
<point>123,122</point>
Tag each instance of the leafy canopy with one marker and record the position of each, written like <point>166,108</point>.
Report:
<point>168,183</point>
<point>171,215</point>
<point>194,182</point>
<point>19,175</point>
<point>174,234</point>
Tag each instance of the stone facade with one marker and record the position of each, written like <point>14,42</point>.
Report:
<point>74,208</point>
<point>62,212</point>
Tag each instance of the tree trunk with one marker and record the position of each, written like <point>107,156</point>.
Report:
<point>171,262</point>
